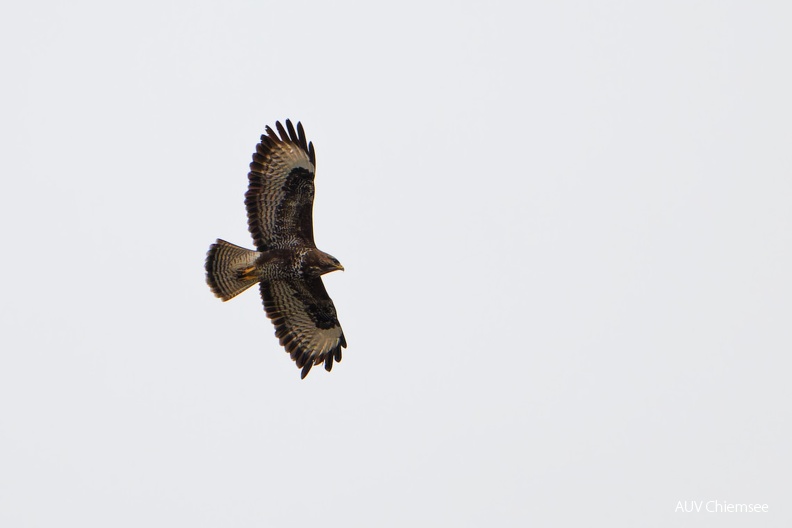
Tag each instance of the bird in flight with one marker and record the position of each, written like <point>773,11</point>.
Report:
<point>286,263</point>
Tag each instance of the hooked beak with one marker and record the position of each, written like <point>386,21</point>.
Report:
<point>340,267</point>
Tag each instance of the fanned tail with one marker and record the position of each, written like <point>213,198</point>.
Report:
<point>230,269</point>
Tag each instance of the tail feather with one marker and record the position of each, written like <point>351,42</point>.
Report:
<point>230,269</point>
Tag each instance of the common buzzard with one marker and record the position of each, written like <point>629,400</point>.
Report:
<point>287,265</point>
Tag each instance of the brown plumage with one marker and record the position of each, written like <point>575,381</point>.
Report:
<point>287,265</point>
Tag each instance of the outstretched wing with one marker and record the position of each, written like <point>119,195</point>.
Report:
<point>305,321</point>
<point>280,193</point>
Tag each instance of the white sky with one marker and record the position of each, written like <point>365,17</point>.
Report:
<point>566,230</point>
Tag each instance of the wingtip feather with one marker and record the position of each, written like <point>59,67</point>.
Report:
<point>292,133</point>
<point>301,136</point>
<point>284,136</point>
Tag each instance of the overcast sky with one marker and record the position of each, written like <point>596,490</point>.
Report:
<point>566,234</point>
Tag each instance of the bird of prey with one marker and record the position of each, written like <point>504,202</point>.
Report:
<point>286,264</point>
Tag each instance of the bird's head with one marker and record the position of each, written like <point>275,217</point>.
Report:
<point>316,263</point>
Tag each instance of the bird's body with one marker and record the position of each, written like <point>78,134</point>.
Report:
<point>287,264</point>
